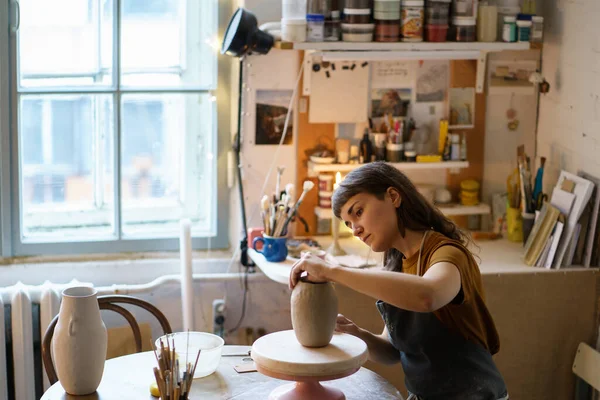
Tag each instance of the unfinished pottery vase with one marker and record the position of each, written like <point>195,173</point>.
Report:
<point>314,312</point>
<point>79,342</point>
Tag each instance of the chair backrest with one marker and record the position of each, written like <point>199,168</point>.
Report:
<point>587,365</point>
<point>106,303</point>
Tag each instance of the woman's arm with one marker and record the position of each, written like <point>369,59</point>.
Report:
<point>380,348</point>
<point>436,288</point>
<point>440,284</point>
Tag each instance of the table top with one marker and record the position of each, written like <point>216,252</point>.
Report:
<point>129,377</point>
<point>281,353</point>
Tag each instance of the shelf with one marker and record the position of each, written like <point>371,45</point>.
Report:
<point>457,209</point>
<point>449,210</point>
<point>403,166</point>
<point>500,87</point>
<point>402,46</point>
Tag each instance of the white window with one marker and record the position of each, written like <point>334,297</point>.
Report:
<point>113,124</point>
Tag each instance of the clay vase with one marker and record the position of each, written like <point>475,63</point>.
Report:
<point>314,312</point>
<point>79,342</point>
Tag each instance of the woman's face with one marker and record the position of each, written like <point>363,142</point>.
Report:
<point>372,220</point>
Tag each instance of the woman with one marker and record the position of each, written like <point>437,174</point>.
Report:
<point>430,295</point>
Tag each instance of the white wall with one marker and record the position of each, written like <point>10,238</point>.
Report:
<point>569,119</point>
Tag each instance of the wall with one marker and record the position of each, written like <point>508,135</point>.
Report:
<point>569,119</point>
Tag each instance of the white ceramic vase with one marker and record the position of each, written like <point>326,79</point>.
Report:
<point>314,308</point>
<point>79,342</point>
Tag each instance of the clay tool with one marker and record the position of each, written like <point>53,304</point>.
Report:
<point>307,187</point>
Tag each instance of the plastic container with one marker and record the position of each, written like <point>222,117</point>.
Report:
<point>333,28</point>
<point>413,19</point>
<point>394,152</point>
<point>387,6</point>
<point>357,32</point>
<point>387,31</point>
<point>357,4</point>
<point>506,12</point>
<point>411,156</point>
<point>325,199</point>
<point>437,12</point>
<point>325,183</point>
<point>464,29</point>
<point>463,8</point>
<point>211,346</point>
<point>537,29</point>
<point>387,16</point>
<point>293,30</point>
<point>357,15</point>
<point>523,31</point>
<point>509,29</point>
<point>315,27</point>
<point>487,20</point>
<point>293,9</point>
<point>316,7</point>
<point>437,33</point>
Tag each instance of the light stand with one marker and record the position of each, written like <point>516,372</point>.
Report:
<point>243,37</point>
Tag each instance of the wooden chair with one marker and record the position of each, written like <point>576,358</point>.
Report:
<point>106,303</point>
<point>587,367</point>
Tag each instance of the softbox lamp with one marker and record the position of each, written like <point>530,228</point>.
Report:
<point>243,37</point>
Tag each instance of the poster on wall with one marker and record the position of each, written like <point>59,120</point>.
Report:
<point>271,110</point>
<point>390,103</point>
<point>432,81</point>
<point>462,107</point>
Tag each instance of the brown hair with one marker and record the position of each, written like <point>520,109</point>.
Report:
<point>415,212</point>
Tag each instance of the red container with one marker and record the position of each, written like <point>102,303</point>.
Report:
<point>437,33</point>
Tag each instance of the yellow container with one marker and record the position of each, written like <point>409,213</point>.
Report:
<point>514,224</point>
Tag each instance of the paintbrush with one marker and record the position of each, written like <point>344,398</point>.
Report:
<point>279,173</point>
<point>264,204</point>
<point>306,187</point>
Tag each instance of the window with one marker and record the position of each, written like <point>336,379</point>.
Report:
<point>113,109</point>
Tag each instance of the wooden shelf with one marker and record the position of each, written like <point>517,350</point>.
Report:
<point>449,210</point>
<point>403,166</point>
<point>402,46</point>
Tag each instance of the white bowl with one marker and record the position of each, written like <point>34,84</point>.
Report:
<point>210,356</point>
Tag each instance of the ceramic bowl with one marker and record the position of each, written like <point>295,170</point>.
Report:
<point>210,356</point>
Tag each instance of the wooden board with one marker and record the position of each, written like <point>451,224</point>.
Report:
<point>309,135</point>
<point>463,74</point>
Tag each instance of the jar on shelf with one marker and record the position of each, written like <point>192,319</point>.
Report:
<point>315,24</point>
<point>506,12</point>
<point>487,20</point>
<point>357,32</point>
<point>509,29</point>
<point>523,30</point>
<point>357,15</point>
<point>394,152</point>
<point>293,9</point>
<point>316,7</point>
<point>464,8</point>
<point>387,31</point>
<point>464,29</point>
<point>437,12</point>
<point>386,10</point>
<point>537,29</point>
<point>413,18</point>
<point>293,30</point>
<point>436,33</point>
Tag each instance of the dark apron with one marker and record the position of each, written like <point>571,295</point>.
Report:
<point>438,363</point>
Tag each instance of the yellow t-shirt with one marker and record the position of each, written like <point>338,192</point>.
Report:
<point>467,314</point>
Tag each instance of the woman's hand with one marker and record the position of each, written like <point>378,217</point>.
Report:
<point>344,325</point>
<point>317,269</point>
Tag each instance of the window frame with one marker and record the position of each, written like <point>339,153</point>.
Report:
<point>11,241</point>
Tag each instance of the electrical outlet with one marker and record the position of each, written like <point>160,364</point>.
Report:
<point>218,317</point>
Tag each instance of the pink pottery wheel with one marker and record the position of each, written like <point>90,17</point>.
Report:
<point>280,355</point>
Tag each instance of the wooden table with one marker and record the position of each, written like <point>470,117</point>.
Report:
<point>129,377</point>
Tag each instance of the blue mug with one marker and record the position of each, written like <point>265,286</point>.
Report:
<point>274,249</point>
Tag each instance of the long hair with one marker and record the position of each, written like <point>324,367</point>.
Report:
<point>415,212</point>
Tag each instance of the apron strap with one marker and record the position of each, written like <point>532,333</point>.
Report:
<point>420,251</point>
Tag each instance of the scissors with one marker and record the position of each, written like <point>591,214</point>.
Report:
<point>540,199</point>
